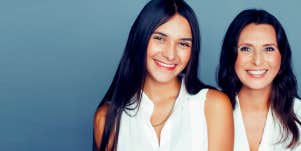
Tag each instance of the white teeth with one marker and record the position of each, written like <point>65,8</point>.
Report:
<point>257,72</point>
<point>166,65</point>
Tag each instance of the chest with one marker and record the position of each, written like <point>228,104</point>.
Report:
<point>254,126</point>
<point>247,134</point>
<point>185,129</point>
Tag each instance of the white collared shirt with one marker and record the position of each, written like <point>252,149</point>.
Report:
<point>271,134</point>
<point>185,129</point>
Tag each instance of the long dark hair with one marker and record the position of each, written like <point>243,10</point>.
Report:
<point>129,78</point>
<point>284,87</point>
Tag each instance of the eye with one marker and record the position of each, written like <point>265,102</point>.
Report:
<point>159,38</point>
<point>245,49</point>
<point>269,49</point>
<point>185,44</point>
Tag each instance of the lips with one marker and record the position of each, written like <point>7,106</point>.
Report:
<point>165,65</point>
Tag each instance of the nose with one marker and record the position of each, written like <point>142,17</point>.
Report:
<point>170,51</point>
<point>257,58</point>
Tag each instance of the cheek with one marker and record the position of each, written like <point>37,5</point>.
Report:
<point>237,67</point>
<point>150,52</point>
<point>153,48</point>
<point>240,61</point>
<point>275,61</point>
<point>184,55</point>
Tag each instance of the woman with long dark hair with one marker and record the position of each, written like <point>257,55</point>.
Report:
<point>256,73</point>
<point>156,101</point>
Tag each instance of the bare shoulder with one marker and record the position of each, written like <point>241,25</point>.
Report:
<point>100,115</point>
<point>101,112</point>
<point>217,99</point>
<point>99,123</point>
<point>217,104</point>
<point>219,120</point>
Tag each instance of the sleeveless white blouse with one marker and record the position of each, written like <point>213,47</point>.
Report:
<point>271,134</point>
<point>185,129</point>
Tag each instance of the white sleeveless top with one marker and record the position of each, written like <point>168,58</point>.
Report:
<point>185,129</point>
<point>271,134</point>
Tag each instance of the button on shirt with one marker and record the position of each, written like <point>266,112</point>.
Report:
<point>185,129</point>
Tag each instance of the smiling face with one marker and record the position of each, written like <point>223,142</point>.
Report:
<point>258,57</point>
<point>169,50</point>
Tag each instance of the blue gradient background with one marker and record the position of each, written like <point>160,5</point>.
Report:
<point>58,57</point>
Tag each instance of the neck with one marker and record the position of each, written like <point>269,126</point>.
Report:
<point>255,100</point>
<point>157,91</point>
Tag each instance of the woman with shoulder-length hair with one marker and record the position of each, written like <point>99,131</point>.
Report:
<point>256,73</point>
<point>156,101</point>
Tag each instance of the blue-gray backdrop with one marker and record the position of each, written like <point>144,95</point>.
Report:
<point>58,57</point>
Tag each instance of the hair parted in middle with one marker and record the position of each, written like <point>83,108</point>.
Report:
<point>284,86</point>
<point>130,75</point>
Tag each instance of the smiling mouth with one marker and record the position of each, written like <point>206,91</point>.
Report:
<point>165,65</point>
<point>257,72</point>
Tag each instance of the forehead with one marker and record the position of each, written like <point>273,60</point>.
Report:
<point>258,34</point>
<point>176,26</point>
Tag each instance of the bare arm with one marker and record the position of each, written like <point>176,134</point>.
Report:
<point>219,118</point>
<point>99,125</point>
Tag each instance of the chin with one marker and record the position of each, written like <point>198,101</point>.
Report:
<point>164,78</point>
<point>258,86</point>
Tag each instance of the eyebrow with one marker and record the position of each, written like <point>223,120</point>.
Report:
<point>165,35</point>
<point>265,45</point>
<point>159,33</point>
<point>271,44</point>
<point>244,44</point>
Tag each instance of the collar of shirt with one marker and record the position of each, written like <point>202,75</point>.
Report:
<point>147,106</point>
